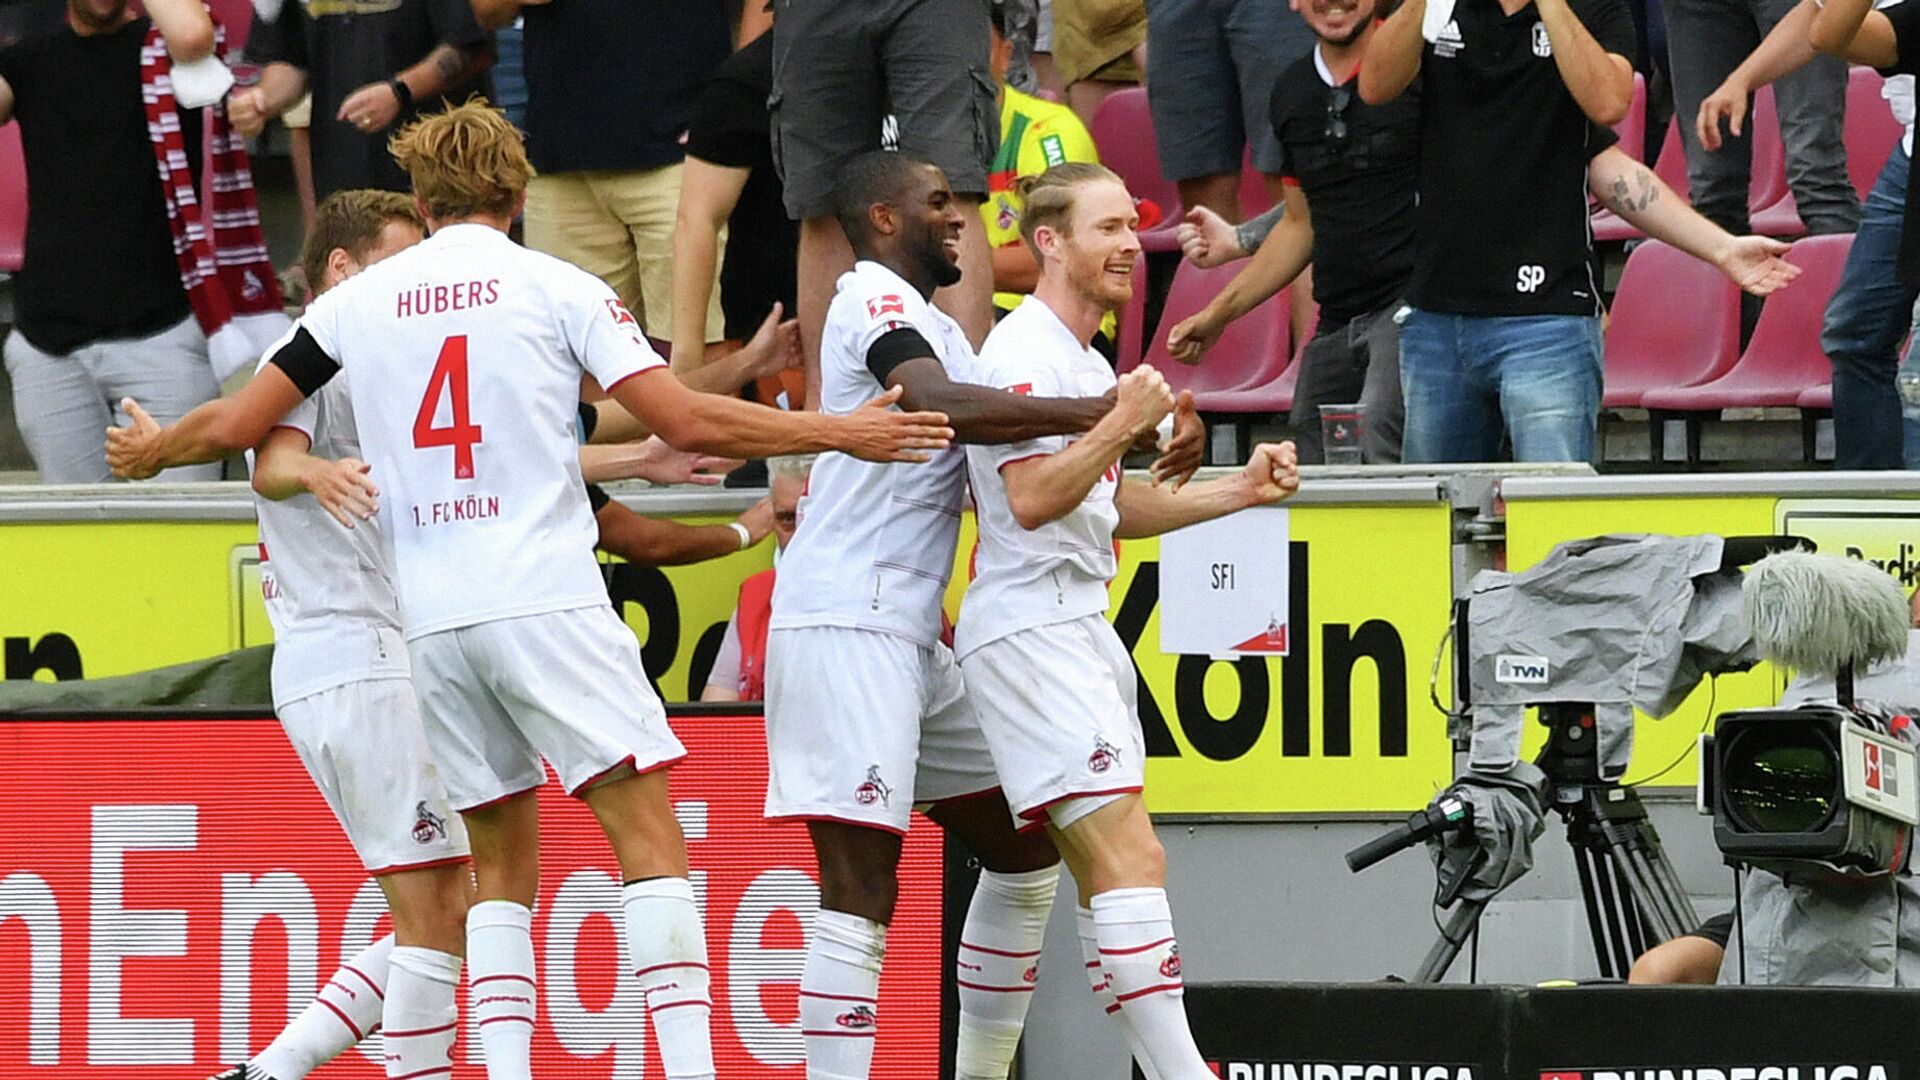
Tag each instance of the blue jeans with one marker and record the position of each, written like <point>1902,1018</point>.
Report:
<point>1866,320</point>
<point>1468,378</point>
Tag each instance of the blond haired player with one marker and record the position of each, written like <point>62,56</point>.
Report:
<point>1050,680</point>
<point>465,354</point>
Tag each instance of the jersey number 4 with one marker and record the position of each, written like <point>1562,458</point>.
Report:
<point>449,380</point>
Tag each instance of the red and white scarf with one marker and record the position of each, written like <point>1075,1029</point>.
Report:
<point>226,271</point>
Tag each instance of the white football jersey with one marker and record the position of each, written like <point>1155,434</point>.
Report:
<point>875,542</point>
<point>464,355</point>
<point>328,589</point>
<point>1058,572</point>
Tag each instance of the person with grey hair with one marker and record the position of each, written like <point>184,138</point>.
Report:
<point>740,667</point>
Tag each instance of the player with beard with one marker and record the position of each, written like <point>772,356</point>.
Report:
<point>865,711</point>
<point>1053,685</point>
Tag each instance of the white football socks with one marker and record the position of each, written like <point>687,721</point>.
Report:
<point>421,1018</point>
<point>1103,992</point>
<point>344,1012</point>
<point>500,987</point>
<point>668,948</point>
<point>840,995</point>
<point>1142,960</point>
<point>998,963</point>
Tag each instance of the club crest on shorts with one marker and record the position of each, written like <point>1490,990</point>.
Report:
<point>1105,756</point>
<point>873,789</point>
<point>1170,967</point>
<point>858,1018</point>
<point>427,825</point>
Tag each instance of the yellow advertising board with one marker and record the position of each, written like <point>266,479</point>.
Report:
<point>1542,514</point>
<point>1341,724</point>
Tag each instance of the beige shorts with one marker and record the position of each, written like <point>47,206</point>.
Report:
<point>618,226</point>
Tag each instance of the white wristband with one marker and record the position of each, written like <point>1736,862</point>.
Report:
<point>746,538</point>
<point>1165,430</point>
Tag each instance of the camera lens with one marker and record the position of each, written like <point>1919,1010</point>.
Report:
<point>1782,781</point>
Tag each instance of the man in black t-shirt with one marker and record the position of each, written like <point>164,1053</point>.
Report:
<point>1350,170</point>
<point>730,183</point>
<point>372,68</point>
<point>610,86</point>
<point>1515,99</point>
<point>102,313</point>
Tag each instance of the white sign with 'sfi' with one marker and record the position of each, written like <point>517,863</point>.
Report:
<point>1224,586</point>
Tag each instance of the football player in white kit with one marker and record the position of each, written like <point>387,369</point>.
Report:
<point>865,716</point>
<point>465,354</point>
<point>1052,684</point>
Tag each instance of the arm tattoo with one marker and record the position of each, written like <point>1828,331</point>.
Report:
<point>1251,233</point>
<point>448,62</point>
<point>1623,198</point>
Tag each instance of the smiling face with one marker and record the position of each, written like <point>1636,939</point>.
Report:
<point>929,226</point>
<point>1338,22</point>
<point>1098,249</point>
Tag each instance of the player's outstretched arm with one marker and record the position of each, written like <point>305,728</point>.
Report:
<point>1047,487</point>
<point>283,467</point>
<point>652,459</point>
<point>208,433</point>
<point>774,347</point>
<point>979,414</point>
<point>711,424</point>
<point>1271,475</point>
<point>650,542</point>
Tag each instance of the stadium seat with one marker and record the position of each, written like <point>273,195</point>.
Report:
<point>1632,129</point>
<point>1122,131</point>
<point>1783,360</point>
<point>1871,131</point>
<point>13,200</point>
<point>1771,210</point>
<point>1675,322</point>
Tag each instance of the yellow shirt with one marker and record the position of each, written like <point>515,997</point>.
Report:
<point>1035,135</point>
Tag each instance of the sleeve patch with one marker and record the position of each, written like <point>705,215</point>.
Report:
<point>1024,389</point>
<point>879,307</point>
<point>1051,149</point>
<point>621,316</point>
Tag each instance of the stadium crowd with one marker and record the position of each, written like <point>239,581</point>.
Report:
<point>1463,305</point>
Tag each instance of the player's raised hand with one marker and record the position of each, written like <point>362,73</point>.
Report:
<point>774,347</point>
<point>757,520</point>
<point>1182,455</point>
<point>343,489</point>
<point>876,432</point>
<point>1272,473</point>
<point>1142,399</point>
<point>133,450</point>
<point>1755,263</point>
<point>662,464</point>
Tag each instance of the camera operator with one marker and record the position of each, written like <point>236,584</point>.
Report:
<point>1505,323</point>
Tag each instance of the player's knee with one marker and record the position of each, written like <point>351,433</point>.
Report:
<point>866,889</point>
<point>1018,853</point>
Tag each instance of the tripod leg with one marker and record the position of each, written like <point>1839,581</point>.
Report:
<point>1460,926</point>
<point>1670,881</point>
<point>1597,894</point>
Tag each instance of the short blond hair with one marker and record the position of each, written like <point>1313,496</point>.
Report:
<point>1049,198</point>
<point>464,160</point>
<point>352,221</point>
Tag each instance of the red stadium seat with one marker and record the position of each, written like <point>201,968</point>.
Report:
<point>1122,131</point>
<point>13,200</point>
<point>1632,129</point>
<point>1675,322</point>
<point>1771,210</point>
<point>1871,131</point>
<point>1782,362</point>
<point>1817,398</point>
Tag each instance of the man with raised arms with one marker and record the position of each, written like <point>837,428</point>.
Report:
<point>865,715</point>
<point>465,354</point>
<point>1053,685</point>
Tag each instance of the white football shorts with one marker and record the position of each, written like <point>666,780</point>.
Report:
<point>863,725</point>
<point>363,744</point>
<point>567,686</point>
<point>1059,707</point>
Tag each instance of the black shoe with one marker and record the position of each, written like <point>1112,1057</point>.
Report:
<point>242,1071</point>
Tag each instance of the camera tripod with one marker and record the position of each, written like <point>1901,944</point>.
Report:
<point>1633,897</point>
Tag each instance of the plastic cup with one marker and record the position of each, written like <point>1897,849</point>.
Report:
<point>1340,428</point>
